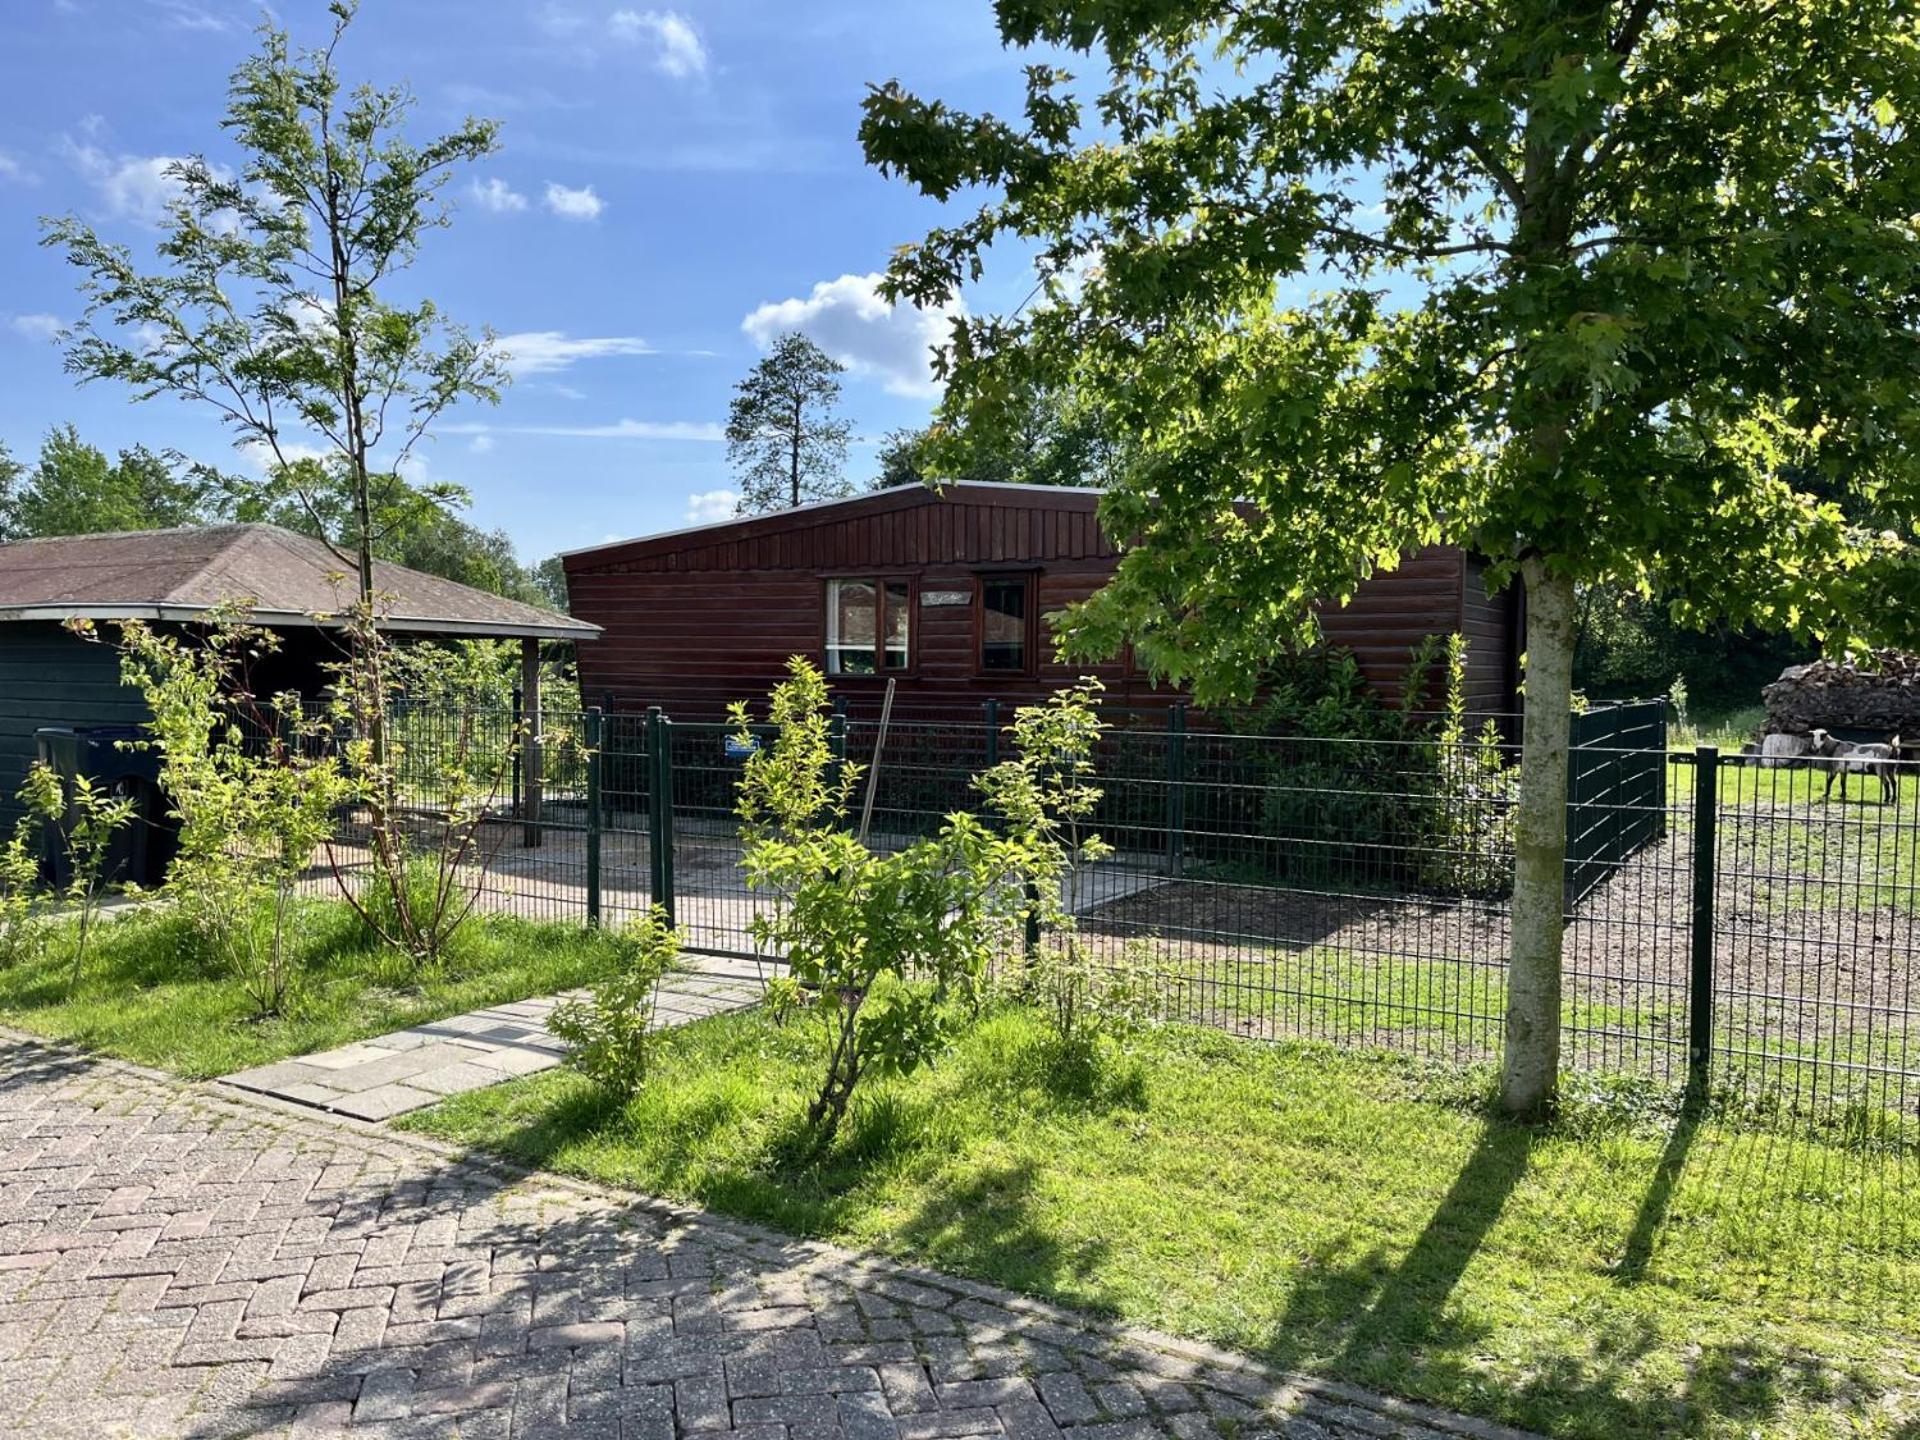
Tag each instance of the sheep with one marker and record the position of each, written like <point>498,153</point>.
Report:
<point>1841,758</point>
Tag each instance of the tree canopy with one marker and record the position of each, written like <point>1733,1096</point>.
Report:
<point>785,440</point>
<point>1590,288</point>
<point>270,303</point>
<point>74,489</point>
<point>1053,437</point>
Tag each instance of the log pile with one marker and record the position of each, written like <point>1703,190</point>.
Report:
<point>1878,692</point>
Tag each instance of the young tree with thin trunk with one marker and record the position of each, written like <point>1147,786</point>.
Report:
<point>271,308</point>
<point>1587,286</point>
<point>783,438</point>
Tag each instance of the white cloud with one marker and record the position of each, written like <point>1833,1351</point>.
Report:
<point>677,48</point>
<point>571,204</point>
<point>258,456</point>
<point>137,187</point>
<point>35,327</point>
<point>480,444</point>
<point>542,352</point>
<point>702,431</point>
<point>707,506</point>
<point>186,15</point>
<point>498,196</point>
<point>850,321</point>
<point>133,187</point>
<point>559,20</point>
<point>12,169</point>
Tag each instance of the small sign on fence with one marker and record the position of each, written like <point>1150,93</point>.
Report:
<point>740,747</point>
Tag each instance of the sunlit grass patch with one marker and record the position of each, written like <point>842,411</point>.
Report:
<point>1631,1271</point>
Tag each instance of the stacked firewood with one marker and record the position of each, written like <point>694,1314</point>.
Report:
<point>1878,692</point>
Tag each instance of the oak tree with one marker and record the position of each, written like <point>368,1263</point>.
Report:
<point>1587,286</point>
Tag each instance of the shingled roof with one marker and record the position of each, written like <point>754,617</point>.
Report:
<point>286,579</point>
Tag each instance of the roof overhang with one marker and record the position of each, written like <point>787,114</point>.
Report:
<point>287,619</point>
<point>908,493</point>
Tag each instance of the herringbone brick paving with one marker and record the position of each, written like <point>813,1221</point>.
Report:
<point>174,1262</point>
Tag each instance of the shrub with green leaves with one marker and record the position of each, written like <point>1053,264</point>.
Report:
<point>1466,802</point>
<point>254,789</point>
<point>880,948</point>
<point>22,897</point>
<point>426,775</point>
<point>85,820</point>
<point>609,1030</point>
<point>1046,797</point>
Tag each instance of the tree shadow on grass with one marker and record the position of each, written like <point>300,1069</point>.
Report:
<point>989,1223</point>
<point>1391,1324</point>
<point>1658,1199</point>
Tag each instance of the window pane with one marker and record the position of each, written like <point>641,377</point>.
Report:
<point>899,618</point>
<point>852,626</point>
<point>1003,625</point>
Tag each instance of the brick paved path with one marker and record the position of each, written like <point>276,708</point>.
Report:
<point>179,1261</point>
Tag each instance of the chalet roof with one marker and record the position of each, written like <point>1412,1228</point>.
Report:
<point>285,578</point>
<point>899,497</point>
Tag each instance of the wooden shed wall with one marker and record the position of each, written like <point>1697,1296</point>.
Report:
<point>51,677</point>
<point>694,622</point>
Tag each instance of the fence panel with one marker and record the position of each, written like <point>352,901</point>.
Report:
<point>1815,940</point>
<point>1296,887</point>
<point>1616,789</point>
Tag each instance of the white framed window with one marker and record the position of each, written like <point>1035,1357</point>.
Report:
<point>869,626</point>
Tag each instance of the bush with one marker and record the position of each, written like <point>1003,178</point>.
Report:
<point>21,897</point>
<point>878,947</point>
<point>609,1031</point>
<point>1343,790</point>
<point>86,821</point>
<point>254,790</point>
<point>1047,796</point>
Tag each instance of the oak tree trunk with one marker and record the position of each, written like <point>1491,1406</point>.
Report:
<point>1532,1060</point>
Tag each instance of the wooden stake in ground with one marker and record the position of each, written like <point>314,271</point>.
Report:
<point>873,772</point>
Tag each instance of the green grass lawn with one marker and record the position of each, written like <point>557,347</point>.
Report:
<point>1326,1213</point>
<point>146,993</point>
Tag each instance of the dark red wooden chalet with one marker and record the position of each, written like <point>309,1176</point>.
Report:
<point>947,590</point>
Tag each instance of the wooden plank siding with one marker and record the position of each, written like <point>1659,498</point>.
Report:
<point>51,677</point>
<point>697,619</point>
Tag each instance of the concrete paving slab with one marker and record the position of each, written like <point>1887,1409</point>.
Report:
<point>408,1069</point>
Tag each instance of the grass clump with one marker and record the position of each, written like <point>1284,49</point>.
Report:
<point>1645,1277</point>
<point>152,992</point>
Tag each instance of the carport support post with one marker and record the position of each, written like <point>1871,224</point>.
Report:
<point>594,730</point>
<point>530,778</point>
<point>1706,814</point>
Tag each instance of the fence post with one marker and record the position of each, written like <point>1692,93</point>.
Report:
<point>660,809</point>
<point>1706,813</point>
<point>992,707</point>
<point>1660,766</point>
<point>1176,785</point>
<point>594,733</point>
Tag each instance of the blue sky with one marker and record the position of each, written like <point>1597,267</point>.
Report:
<point>676,185</point>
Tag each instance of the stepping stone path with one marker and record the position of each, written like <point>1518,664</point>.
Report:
<point>420,1066</point>
<point>191,1261</point>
